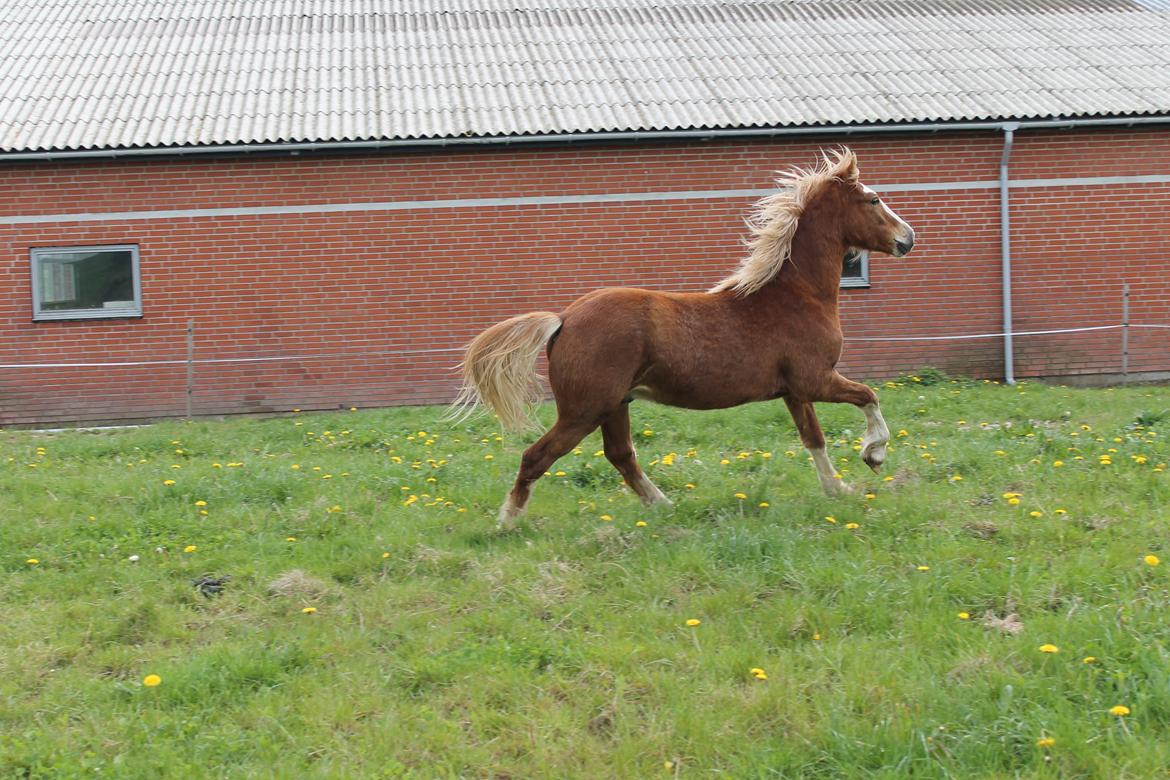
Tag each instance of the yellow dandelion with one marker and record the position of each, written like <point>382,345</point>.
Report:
<point>692,622</point>
<point>1152,560</point>
<point>1045,742</point>
<point>1060,511</point>
<point>168,482</point>
<point>290,538</point>
<point>607,518</point>
<point>647,432</point>
<point>830,519</point>
<point>1036,513</point>
<point>741,496</point>
<point>1013,501</point>
<point>560,474</point>
<point>923,568</point>
<point>200,502</point>
<point>764,505</point>
<point>1119,710</point>
<point>489,457</point>
<point>309,610</point>
<point>385,555</point>
<point>724,462</point>
<point>964,616</point>
<point>759,673</point>
<point>190,548</point>
<point>689,486</point>
<point>816,637</point>
<point>852,526</point>
<point>151,680</point>
<point>640,524</point>
<point>32,561</point>
<point>1049,649</point>
<point>1088,659</point>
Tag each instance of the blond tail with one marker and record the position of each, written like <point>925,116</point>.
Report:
<point>499,368</point>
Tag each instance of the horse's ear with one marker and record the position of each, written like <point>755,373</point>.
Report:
<point>843,165</point>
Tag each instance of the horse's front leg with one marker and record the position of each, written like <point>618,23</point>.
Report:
<point>877,435</point>
<point>813,439</point>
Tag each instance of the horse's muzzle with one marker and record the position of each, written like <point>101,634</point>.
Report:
<point>902,246</point>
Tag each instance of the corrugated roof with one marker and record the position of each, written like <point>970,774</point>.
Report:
<point>91,74</point>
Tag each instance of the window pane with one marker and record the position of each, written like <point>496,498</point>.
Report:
<point>855,269</point>
<point>851,267</point>
<point>80,279</point>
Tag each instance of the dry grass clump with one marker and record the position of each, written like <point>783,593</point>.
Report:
<point>296,584</point>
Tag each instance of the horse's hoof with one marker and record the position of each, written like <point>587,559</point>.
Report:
<point>874,456</point>
<point>506,520</point>
<point>839,488</point>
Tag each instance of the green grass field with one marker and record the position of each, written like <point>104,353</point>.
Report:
<point>361,617</point>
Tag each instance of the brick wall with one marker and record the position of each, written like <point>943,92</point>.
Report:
<point>376,303</point>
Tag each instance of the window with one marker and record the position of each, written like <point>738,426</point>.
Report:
<point>85,282</point>
<point>855,268</point>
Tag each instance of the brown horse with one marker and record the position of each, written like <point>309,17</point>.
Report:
<point>770,330</point>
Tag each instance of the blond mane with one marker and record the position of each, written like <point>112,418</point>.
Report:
<point>774,220</point>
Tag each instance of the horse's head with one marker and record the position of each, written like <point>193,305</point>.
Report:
<point>866,221</point>
<point>837,206</point>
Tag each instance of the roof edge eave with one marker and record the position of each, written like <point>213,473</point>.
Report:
<point>710,133</point>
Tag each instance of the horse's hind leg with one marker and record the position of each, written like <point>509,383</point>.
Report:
<point>619,450</point>
<point>559,439</point>
<point>813,438</point>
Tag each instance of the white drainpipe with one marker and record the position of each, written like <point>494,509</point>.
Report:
<point>1005,243</point>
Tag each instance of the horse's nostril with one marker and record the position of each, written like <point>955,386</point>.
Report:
<point>904,247</point>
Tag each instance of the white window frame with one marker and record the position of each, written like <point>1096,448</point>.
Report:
<point>36,253</point>
<point>858,281</point>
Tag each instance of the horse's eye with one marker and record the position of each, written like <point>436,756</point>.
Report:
<point>875,201</point>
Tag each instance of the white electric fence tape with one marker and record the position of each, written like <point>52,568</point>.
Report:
<point>180,362</point>
<point>183,361</point>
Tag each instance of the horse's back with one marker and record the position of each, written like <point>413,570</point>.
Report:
<point>633,319</point>
<point>675,348</point>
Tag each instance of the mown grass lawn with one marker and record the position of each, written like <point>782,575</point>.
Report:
<point>360,616</point>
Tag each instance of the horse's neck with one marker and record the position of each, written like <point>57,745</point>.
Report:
<point>814,267</point>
